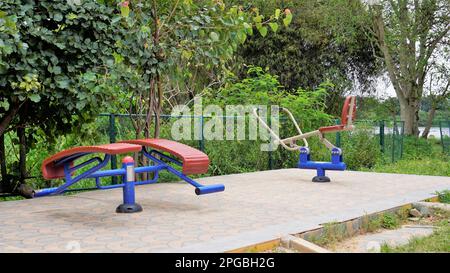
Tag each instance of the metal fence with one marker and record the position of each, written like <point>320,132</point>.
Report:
<point>390,133</point>
<point>444,131</point>
<point>239,156</point>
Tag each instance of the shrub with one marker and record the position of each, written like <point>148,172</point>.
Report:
<point>361,147</point>
<point>390,221</point>
<point>444,196</point>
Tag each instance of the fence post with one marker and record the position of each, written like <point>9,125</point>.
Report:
<point>270,147</point>
<point>201,141</point>
<point>382,135</point>
<point>112,139</point>
<point>442,136</point>
<point>402,134</point>
<point>338,134</point>
<point>394,129</point>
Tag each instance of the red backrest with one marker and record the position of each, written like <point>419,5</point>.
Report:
<point>346,111</point>
<point>194,161</point>
<point>51,170</point>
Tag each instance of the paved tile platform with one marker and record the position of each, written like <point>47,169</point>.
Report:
<point>255,207</point>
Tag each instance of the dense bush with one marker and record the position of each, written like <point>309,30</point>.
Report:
<point>361,147</point>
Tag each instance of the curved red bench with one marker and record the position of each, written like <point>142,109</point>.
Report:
<point>51,169</point>
<point>193,161</point>
<point>62,165</point>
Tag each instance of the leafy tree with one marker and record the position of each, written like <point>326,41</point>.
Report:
<point>407,34</point>
<point>438,90</point>
<point>261,88</point>
<point>325,41</point>
<point>166,42</point>
<point>50,52</point>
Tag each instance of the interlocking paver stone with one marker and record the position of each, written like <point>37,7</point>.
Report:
<point>255,207</point>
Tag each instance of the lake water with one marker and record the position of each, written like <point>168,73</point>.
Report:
<point>434,131</point>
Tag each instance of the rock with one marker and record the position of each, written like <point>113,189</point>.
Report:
<point>414,219</point>
<point>415,213</point>
<point>426,208</point>
<point>373,247</point>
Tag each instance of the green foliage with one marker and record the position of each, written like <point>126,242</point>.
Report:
<point>173,44</point>
<point>332,233</point>
<point>444,196</point>
<point>420,156</point>
<point>417,148</point>
<point>439,241</point>
<point>372,108</point>
<point>371,224</point>
<point>325,41</point>
<point>390,221</point>
<point>191,35</point>
<point>262,88</point>
<point>46,55</point>
<point>428,166</point>
<point>361,147</point>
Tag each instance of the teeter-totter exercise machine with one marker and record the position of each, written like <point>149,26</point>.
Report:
<point>347,118</point>
<point>162,153</point>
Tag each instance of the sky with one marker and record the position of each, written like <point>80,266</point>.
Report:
<point>384,88</point>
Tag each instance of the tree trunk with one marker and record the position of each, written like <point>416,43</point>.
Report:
<point>8,117</point>
<point>409,113</point>
<point>431,114</point>
<point>158,107</point>
<point>22,154</point>
<point>3,170</point>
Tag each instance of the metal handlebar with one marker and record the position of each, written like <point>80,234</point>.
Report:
<point>293,146</point>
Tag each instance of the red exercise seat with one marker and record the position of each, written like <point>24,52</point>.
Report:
<point>51,169</point>
<point>347,115</point>
<point>334,128</point>
<point>194,161</point>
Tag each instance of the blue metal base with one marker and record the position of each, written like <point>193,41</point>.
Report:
<point>321,179</point>
<point>336,164</point>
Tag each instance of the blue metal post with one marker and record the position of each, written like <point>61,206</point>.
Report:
<point>129,204</point>
<point>304,155</point>
<point>336,156</point>
<point>320,172</point>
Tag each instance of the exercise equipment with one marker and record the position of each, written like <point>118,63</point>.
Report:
<point>347,117</point>
<point>162,154</point>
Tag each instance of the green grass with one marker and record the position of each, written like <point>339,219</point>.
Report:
<point>439,241</point>
<point>431,166</point>
<point>422,157</point>
<point>11,198</point>
<point>333,232</point>
<point>386,220</point>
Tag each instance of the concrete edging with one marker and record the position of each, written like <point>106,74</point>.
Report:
<point>300,240</point>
